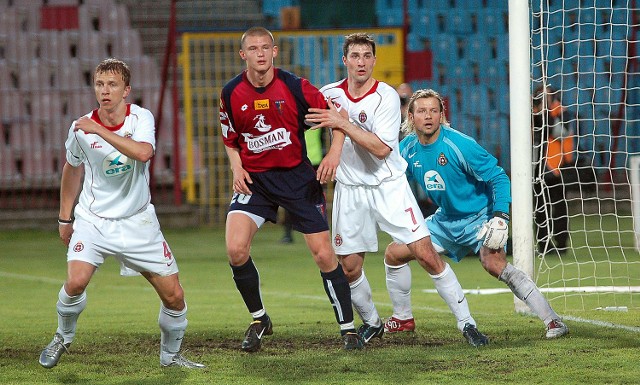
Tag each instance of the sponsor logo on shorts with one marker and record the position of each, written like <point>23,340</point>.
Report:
<point>416,229</point>
<point>168,255</point>
<point>78,247</point>
<point>337,240</point>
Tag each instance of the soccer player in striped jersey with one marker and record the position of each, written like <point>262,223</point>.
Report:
<point>473,194</point>
<point>110,150</point>
<point>372,190</point>
<point>262,121</point>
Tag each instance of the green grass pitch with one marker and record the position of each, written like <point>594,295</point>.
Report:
<point>117,340</point>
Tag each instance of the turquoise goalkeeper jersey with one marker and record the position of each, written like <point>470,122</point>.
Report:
<point>458,174</point>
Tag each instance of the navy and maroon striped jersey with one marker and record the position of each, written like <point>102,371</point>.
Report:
<point>267,123</point>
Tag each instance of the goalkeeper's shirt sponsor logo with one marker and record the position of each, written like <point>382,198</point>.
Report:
<point>433,181</point>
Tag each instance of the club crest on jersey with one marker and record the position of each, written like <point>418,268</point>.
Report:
<point>362,117</point>
<point>337,240</point>
<point>78,247</point>
<point>442,160</point>
<point>262,104</point>
<point>260,124</point>
<point>279,104</point>
<point>116,164</point>
<point>433,181</point>
<point>335,102</point>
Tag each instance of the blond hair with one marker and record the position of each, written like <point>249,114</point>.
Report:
<point>407,126</point>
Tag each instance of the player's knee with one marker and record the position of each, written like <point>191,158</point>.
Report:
<point>174,300</point>
<point>75,286</point>
<point>238,254</point>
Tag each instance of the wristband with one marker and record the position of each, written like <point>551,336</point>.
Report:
<point>502,215</point>
<point>65,221</point>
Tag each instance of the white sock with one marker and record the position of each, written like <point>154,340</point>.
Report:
<point>399,288</point>
<point>172,326</point>
<point>527,291</point>
<point>363,302</point>
<point>450,290</point>
<point>69,309</point>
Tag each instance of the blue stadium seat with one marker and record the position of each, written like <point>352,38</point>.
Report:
<point>390,17</point>
<point>444,48</point>
<point>491,21</point>
<point>503,46</point>
<point>478,47</point>
<point>495,71</point>
<point>462,22</point>
<point>497,4</point>
<point>426,24</point>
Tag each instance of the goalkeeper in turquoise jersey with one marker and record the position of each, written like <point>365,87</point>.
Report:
<point>473,196</point>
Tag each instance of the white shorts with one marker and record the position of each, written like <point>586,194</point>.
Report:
<point>136,242</point>
<point>358,212</point>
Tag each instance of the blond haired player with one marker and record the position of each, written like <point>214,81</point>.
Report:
<point>110,149</point>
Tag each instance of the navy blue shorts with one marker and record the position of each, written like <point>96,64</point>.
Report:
<point>296,190</point>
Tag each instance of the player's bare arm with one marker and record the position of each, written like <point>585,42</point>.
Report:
<point>240,176</point>
<point>70,186</point>
<point>139,151</point>
<point>332,118</point>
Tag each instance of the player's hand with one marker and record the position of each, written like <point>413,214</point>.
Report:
<point>325,118</point>
<point>495,233</point>
<point>87,125</point>
<point>65,230</point>
<point>327,168</point>
<point>240,179</point>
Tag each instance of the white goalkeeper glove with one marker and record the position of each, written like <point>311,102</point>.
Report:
<point>495,232</point>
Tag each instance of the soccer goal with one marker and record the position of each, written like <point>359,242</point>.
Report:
<point>582,53</point>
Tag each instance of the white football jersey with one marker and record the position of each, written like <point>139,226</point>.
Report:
<point>114,186</point>
<point>378,112</point>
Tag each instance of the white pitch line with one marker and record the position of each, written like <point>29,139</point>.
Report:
<point>424,308</point>
<point>564,290</point>
<point>25,277</point>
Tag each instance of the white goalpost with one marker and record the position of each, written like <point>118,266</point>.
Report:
<point>583,53</point>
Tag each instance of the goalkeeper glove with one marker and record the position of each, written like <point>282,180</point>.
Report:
<point>495,232</point>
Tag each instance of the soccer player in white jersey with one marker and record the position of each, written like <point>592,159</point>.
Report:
<point>110,149</point>
<point>473,194</point>
<point>372,190</point>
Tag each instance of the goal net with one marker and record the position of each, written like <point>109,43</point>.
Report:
<point>585,90</point>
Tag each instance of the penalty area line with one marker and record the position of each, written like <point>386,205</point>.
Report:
<point>566,289</point>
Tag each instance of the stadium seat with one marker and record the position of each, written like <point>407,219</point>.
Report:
<point>114,19</point>
<point>462,22</point>
<point>46,107</point>
<point>70,75</point>
<point>92,46</point>
<point>478,47</point>
<point>497,4</point>
<point>20,49</point>
<point>491,21</point>
<point>444,48</point>
<point>62,2</point>
<point>390,17</point>
<point>502,42</point>
<point>425,25</point>
<point>475,100</point>
<point>127,44</point>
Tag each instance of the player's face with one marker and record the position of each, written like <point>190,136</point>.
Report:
<point>110,90</point>
<point>359,61</point>
<point>258,52</point>
<point>426,118</point>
